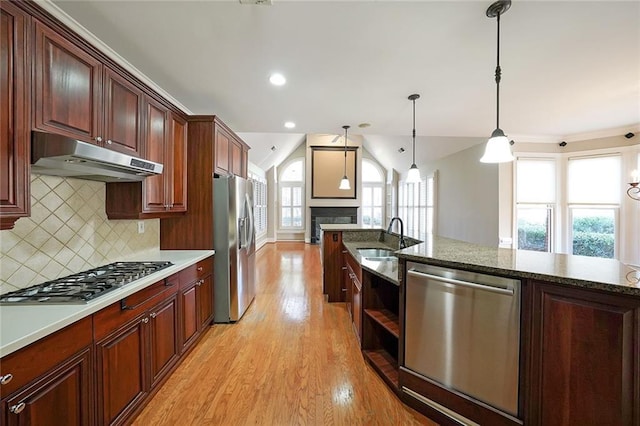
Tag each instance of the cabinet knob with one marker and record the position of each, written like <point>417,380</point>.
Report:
<point>199,268</point>
<point>6,379</point>
<point>153,315</point>
<point>145,320</point>
<point>98,139</point>
<point>17,409</point>
<point>109,142</point>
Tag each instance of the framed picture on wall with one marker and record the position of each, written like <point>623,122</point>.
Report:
<point>328,168</point>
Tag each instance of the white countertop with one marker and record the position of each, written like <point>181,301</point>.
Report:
<point>21,325</point>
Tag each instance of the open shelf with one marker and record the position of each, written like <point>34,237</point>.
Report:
<point>386,319</point>
<point>385,364</point>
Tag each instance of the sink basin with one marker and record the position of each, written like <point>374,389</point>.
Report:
<point>376,253</point>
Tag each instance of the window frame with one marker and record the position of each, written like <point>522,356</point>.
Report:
<point>291,184</point>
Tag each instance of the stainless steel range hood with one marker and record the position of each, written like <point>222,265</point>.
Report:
<point>57,155</point>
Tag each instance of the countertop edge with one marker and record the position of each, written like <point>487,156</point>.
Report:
<point>53,318</point>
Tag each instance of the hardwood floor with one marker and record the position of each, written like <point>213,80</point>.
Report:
<point>292,359</point>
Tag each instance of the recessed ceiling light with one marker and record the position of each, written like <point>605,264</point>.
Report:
<point>277,79</point>
<point>289,124</point>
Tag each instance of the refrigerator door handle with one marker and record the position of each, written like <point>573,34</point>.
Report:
<point>250,230</point>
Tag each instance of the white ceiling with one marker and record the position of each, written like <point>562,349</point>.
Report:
<point>569,68</point>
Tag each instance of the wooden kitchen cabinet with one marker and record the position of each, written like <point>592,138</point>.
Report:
<point>354,292</point>
<point>52,380</point>
<point>585,364</point>
<point>67,87</point>
<point>15,136</point>
<point>332,264</point>
<point>196,292</point>
<point>77,96</point>
<point>381,326</point>
<point>163,338</point>
<point>230,152</point>
<point>158,196</point>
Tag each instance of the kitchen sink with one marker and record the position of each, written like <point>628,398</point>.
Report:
<point>376,253</point>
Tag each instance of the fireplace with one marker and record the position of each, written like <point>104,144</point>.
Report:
<point>320,215</point>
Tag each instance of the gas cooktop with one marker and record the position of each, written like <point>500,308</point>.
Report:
<point>84,286</point>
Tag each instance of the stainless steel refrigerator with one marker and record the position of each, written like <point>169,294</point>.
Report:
<point>234,243</point>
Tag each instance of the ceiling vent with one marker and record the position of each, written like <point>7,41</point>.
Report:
<point>257,2</point>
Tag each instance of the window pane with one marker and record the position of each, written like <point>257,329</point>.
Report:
<point>593,232</point>
<point>594,180</point>
<point>285,196</point>
<point>297,216</point>
<point>430,191</point>
<point>534,226</point>
<point>366,216</point>
<point>536,181</point>
<point>430,220</point>
<point>377,196</point>
<point>286,217</point>
<point>293,172</point>
<point>297,196</point>
<point>377,216</point>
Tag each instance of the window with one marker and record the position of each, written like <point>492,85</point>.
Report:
<point>259,203</point>
<point>535,203</point>
<point>416,207</point>
<point>292,195</point>
<point>593,195</point>
<point>372,194</point>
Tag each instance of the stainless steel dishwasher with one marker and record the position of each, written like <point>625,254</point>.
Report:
<point>463,331</point>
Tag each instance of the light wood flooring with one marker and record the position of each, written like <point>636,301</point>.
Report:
<point>293,359</point>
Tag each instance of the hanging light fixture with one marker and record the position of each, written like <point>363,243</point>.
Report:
<point>498,149</point>
<point>414,174</point>
<point>344,183</point>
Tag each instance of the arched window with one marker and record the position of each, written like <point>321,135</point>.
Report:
<point>372,194</point>
<point>291,184</point>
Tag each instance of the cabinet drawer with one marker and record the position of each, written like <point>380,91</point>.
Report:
<point>195,272</point>
<point>354,265</point>
<point>41,356</point>
<point>117,314</point>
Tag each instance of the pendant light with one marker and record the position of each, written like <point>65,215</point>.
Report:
<point>344,183</point>
<point>414,174</point>
<point>498,149</point>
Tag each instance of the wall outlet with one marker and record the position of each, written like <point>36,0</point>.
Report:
<point>140,227</point>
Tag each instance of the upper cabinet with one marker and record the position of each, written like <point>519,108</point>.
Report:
<point>230,152</point>
<point>77,96</point>
<point>14,115</point>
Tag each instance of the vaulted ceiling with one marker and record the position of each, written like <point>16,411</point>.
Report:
<point>569,68</point>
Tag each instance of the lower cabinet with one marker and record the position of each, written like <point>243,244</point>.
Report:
<point>585,366</point>
<point>196,295</point>
<point>50,382</point>
<point>163,334</point>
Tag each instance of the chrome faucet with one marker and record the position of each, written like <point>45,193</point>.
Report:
<point>402,244</point>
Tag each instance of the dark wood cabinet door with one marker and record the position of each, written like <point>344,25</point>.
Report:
<point>205,302</point>
<point>121,370</point>
<point>63,396</point>
<point>236,159</point>
<point>155,136</point>
<point>68,87</point>
<point>14,115</point>
<point>585,360</point>
<point>332,262</point>
<point>177,155</point>
<point>189,316</point>
<point>222,142</point>
<point>122,114</point>
<point>357,307</point>
<point>163,336</point>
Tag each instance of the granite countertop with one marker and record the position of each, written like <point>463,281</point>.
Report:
<point>346,227</point>
<point>580,271</point>
<point>21,325</point>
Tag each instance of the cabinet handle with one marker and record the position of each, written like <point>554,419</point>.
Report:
<point>152,315</point>
<point>17,409</point>
<point>145,320</point>
<point>109,142</point>
<point>6,379</point>
<point>344,251</point>
<point>199,268</point>
<point>98,139</point>
<point>200,282</point>
<point>344,268</point>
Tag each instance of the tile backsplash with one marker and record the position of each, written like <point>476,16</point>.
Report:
<point>68,232</point>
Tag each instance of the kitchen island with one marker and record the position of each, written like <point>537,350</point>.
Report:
<point>575,322</point>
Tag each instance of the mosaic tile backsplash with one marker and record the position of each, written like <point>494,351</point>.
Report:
<point>68,232</point>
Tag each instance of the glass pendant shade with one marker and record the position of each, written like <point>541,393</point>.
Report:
<point>414,174</point>
<point>344,183</point>
<point>498,149</point>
